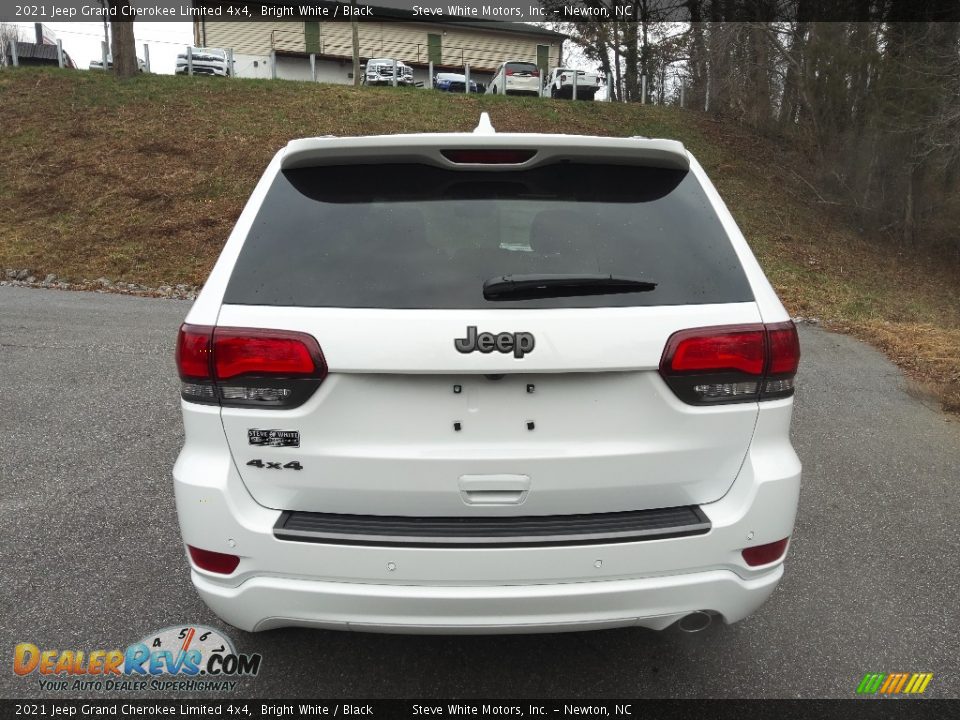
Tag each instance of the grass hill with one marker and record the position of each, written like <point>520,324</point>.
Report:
<point>141,181</point>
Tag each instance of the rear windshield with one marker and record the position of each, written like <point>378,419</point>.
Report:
<point>416,236</point>
<point>522,67</point>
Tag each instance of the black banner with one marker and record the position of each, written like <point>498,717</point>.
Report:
<point>550,11</point>
<point>622,708</point>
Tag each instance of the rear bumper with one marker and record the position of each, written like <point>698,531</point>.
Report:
<point>202,70</point>
<point>388,80</point>
<point>513,86</point>
<point>649,583</point>
<point>456,88</point>
<point>262,603</point>
<point>566,93</point>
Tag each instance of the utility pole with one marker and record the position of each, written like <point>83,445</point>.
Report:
<point>105,4</point>
<point>354,31</point>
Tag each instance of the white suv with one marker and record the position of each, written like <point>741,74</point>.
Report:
<point>486,383</point>
<point>379,71</point>
<point>204,61</point>
<point>515,78</point>
<point>560,82</point>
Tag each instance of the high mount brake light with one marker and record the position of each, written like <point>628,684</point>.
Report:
<point>248,367</point>
<point>488,157</point>
<point>732,363</point>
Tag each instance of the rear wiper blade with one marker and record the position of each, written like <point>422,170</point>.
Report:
<point>529,287</point>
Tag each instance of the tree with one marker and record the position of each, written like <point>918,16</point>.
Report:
<point>599,37</point>
<point>8,35</point>
<point>627,30</point>
<point>873,95</point>
<point>124,49</point>
<point>697,54</point>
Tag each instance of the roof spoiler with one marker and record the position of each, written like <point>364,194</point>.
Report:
<point>427,148</point>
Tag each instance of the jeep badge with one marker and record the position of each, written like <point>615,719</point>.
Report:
<point>520,343</point>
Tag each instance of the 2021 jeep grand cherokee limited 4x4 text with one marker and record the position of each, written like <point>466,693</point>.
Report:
<point>485,383</point>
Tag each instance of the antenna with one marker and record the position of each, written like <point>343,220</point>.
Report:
<point>484,127</point>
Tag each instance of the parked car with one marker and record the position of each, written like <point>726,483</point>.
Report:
<point>484,382</point>
<point>560,82</point>
<point>453,82</point>
<point>515,77</point>
<point>98,64</point>
<point>205,61</point>
<point>379,71</point>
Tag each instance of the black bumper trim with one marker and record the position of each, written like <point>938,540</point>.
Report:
<point>476,532</point>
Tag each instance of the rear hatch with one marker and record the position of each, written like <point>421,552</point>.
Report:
<point>522,76</point>
<point>583,77</point>
<point>443,399</point>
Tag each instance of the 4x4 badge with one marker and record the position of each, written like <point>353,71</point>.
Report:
<point>518,343</point>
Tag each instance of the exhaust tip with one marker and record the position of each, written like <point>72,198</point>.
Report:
<point>695,621</point>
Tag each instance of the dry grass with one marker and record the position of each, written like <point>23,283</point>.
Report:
<point>141,181</point>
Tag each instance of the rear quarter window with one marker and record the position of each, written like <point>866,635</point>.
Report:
<point>417,236</point>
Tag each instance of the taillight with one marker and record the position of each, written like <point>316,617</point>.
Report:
<point>215,562</point>
<point>535,73</point>
<point>194,345</point>
<point>509,71</point>
<point>733,363</point>
<point>246,367</point>
<point>263,352</point>
<point>488,157</point>
<point>784,345</point>
<point>764,554</point>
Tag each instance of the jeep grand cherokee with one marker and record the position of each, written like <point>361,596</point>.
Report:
<point>486,382</point>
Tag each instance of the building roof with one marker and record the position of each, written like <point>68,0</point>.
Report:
<point>503,26</point>
<point>44,52</point>
<point>35,51</point>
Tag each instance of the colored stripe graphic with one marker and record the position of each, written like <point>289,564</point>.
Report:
<point>870,683</point>
<point>894,683</point>
<point>918,683</point>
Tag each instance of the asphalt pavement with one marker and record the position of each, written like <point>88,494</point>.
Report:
<point>92,558</point>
